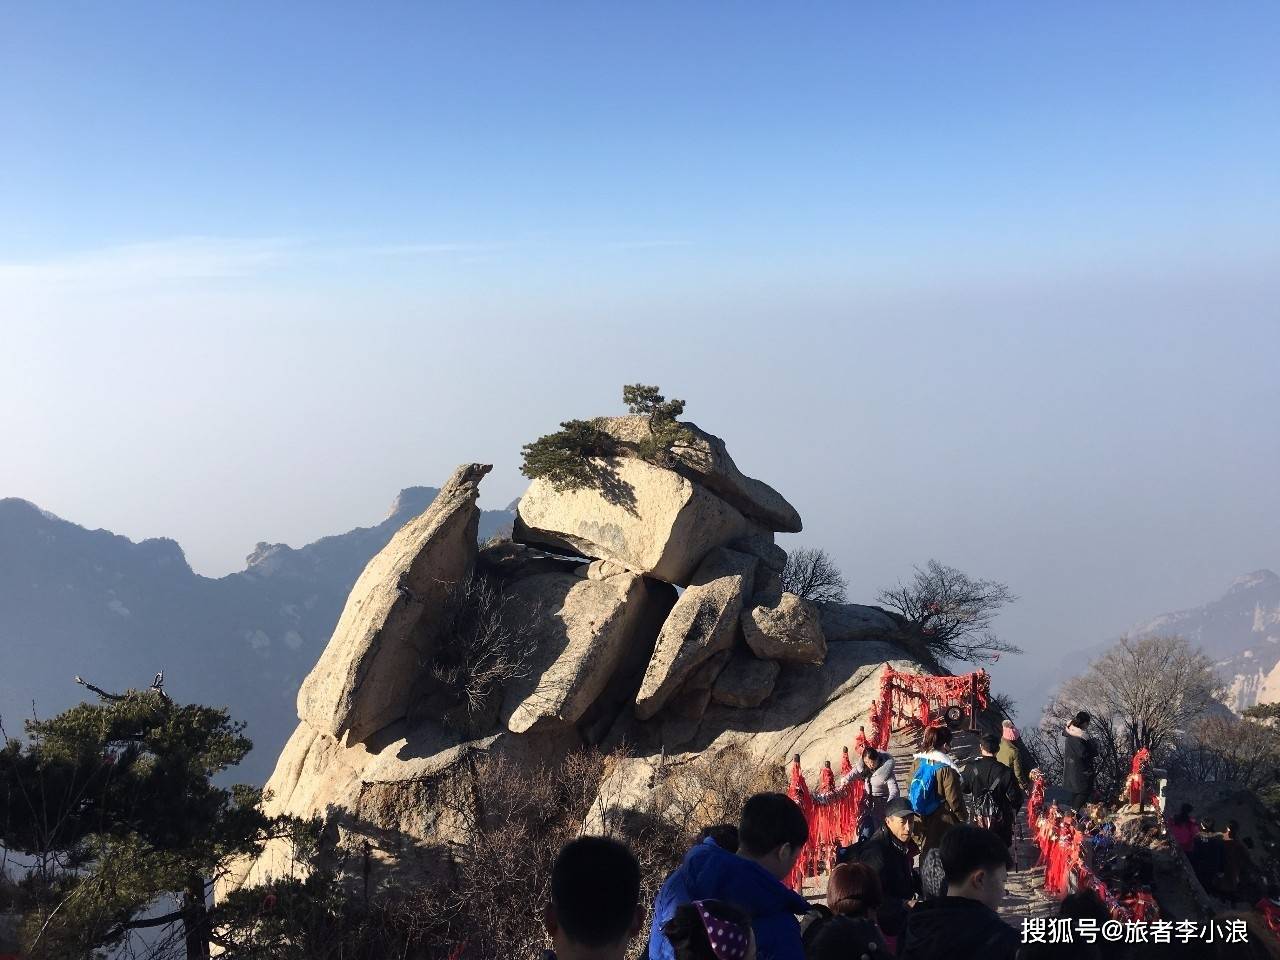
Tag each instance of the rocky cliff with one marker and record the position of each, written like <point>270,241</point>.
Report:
<point>655,616</point>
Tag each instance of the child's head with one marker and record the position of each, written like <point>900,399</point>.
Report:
<point>773,831</point>
<point>724,834</point>
<point>710,930</point>
<point>595,895</point>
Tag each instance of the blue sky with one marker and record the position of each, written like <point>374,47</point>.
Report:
<point>994,283</point>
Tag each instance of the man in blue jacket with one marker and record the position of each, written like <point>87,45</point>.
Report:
<point>771,835</point>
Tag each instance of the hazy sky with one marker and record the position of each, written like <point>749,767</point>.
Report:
<point>997,284</point>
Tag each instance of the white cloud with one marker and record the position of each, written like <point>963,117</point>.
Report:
<point>142,264</point>
<point>184,260</point>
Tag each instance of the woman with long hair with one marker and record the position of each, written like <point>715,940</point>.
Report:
<point>936,793</point>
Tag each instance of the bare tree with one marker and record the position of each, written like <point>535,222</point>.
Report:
<point>1146,692</point>
<point>811,574</point>
<point>1224,748</point>
<point>491,643</point>
<point>951,613</point>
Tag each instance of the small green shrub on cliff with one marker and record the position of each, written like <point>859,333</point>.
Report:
<point>564,458</point>
<point>568,459</point>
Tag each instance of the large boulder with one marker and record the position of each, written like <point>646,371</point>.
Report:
<point>585,629</point>
<point>365,677</point>
<point>746,681</point>
<point>647,519</point>
<point>855,621</point>
<point>707,461</point>
<point>703,622</point>
<point>788,629</point>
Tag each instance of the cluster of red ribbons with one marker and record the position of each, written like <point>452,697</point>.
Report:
<point>834,808</point>
<point>1136,785</point>
<point>832,813</point>
<point>916,700</point>
<point>1060,837</point>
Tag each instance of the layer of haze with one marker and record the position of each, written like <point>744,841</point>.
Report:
<point>995,285</point>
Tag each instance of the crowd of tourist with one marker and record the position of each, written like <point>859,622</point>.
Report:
<point>923,881</point>
<point>727,899</point>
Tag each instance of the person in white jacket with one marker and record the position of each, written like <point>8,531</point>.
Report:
<point>878,769</point>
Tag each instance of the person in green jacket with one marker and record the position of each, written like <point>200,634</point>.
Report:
<point>1013,754</point>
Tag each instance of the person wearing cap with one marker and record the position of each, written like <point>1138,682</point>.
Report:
<point>888,853</point>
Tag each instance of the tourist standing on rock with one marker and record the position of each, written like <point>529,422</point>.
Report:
<point>996,795</point>
<point>879,769</point>
<point>771,834</point>
<point>964,924</point>
<point>937,794</point>
<point>1079,757</point>
<point>595,909</point>
<point>1014,755</point>
<point>710,930</point>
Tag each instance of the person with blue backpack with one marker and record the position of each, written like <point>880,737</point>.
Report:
<point>937,790</point>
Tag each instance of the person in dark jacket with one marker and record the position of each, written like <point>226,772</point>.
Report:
<point>888,854</point>
<point>964,924</point>
<point>1079,756</point>
<point>996,795</point>
<point>771,834</point>
<point>595,908</point>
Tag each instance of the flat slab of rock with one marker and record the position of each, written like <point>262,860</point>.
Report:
<point>788,630</point>
<point>745,682</point>
<point>707,461</point>
<point>703,623</point>
<point>585,629</point>
<point>649,520</point>
<point>364,679</point>
<point>855,621</point>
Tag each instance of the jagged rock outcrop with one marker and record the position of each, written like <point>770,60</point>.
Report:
<point>706,460</point>
<point>647,519</point>
<point>385,756</point>
<point>584,629</point>
<point>787,628</point>
<point>365,676</point>
<point>703,622</point>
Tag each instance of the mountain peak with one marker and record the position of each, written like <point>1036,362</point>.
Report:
<point>411,501</point>
<point>1259,578</point>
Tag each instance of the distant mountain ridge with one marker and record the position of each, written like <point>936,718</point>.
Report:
<point>85,602</point>
<point>1240,631</point>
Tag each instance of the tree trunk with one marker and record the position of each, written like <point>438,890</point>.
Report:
<point>195,920</point>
